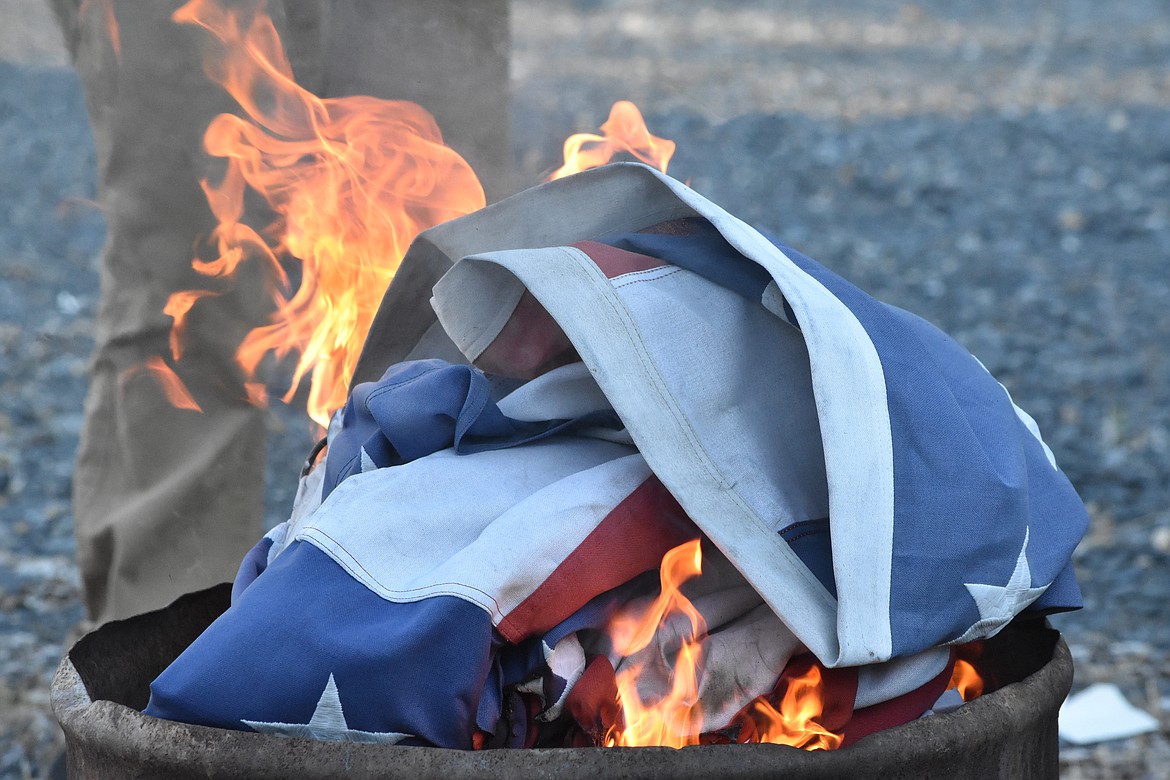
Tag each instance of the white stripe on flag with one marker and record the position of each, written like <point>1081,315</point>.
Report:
<point>488,528</point>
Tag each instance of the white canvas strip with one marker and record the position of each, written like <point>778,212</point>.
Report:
<point>741,378</point>
<point>850,390</point>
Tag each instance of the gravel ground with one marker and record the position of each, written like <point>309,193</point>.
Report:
<point>1001,168</point>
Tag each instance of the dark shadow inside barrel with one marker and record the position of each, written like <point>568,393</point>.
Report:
<point>104,682</point>
<point>118,662</point>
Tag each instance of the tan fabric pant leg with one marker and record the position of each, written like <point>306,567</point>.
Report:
<point>167,501</point>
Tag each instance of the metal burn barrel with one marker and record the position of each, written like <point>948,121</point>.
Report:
<point>103,683</point>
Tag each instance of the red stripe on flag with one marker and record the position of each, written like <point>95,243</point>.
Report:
<point>631,539</point>
<point>615,262</point>
<point>899,710</point>
<point>529,344</point>
<point>593,701</point>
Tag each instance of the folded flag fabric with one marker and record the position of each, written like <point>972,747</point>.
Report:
<point>646,369</point>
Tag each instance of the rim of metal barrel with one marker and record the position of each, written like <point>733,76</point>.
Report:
<point>1010,732</point>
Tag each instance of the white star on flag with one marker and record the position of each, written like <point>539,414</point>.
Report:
<point>328,724</point>
<point>999,604</point>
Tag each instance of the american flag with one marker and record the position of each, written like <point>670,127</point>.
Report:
<point>611,365</point>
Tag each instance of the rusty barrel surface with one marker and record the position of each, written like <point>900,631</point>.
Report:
<point>104,681</point>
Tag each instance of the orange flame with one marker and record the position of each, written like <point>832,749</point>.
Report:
<point>351,181</point>
<point>110,21</point>
<point>669,721</point>
<point>624,131</point>
<point>675,719</point>
<point>178,306</point>
<point>176,392</point>
<point>795,721</point>
<point>966,680</point>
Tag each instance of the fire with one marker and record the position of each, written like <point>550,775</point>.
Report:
<point>109,21</point>
<point>178,306</point>
<point>624,131</point>
<point>965,678</point>
<point>669,721</point>
<point>351,182</point>
<point>173,388</point>
<point>675,719</point>
<point>794,722</point>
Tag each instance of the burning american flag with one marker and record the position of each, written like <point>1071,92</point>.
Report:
<point>616,468</point>
<point>476,563</point>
